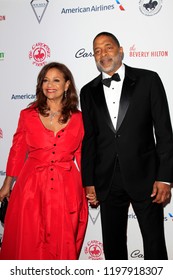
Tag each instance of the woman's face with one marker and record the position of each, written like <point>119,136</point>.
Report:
<point>54,84</point>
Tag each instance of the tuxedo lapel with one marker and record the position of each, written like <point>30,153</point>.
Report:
<point>101,102</point>
<point>127,91</point>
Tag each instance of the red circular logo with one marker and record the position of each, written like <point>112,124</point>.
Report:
<point>39,53</point>
<point>94,250</point>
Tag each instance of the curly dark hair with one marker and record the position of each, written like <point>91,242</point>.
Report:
<point>69,102</point>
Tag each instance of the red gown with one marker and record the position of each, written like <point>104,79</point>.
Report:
<point>47,212</point>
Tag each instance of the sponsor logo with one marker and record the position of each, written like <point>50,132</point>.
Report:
<point>132,216</point>
<point>2,18</point>
<point>150,7</point>
<point>92,9</point>
<point>2,55</point>
<point>170,216</point>
<point>133,52</point>
<point>94,214</point>
<point>136,254</point>
<point>1,133</point>
<point>120,6</point>
<point>23,96</point>
<point>94,250</point>
<point>39,8</point>
<point>81,53</point>
<point>82,10</point>
<point>39,53</point>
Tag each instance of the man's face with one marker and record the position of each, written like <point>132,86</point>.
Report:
<point>108,55</point>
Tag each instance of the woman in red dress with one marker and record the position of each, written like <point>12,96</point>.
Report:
<point>47,213</point>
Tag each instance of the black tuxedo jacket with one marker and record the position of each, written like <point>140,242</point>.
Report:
<point>142,140</point>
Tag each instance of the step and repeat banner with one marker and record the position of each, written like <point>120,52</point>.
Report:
<point>33,33</point>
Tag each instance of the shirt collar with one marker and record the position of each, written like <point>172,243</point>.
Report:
<point>120,71</point>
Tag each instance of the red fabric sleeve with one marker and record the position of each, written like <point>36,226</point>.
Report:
<point>18,151</point>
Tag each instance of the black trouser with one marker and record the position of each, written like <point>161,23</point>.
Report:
<point>114,218</point>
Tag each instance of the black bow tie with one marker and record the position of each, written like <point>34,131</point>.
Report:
<point>107,81</point>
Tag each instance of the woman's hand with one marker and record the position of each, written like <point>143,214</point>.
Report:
<point>6,188</point>
<point>91,196</point>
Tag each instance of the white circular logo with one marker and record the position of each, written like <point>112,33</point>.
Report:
<point>150,7</point>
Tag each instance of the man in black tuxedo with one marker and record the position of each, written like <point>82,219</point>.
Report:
<point>127,153</point>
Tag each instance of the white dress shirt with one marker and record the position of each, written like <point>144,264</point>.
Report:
<point>113,93</point>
